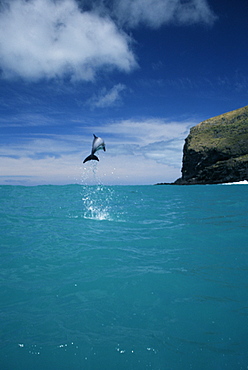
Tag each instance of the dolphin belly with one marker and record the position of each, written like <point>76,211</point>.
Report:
<point>98,144</point>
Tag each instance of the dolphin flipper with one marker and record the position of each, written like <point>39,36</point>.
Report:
<point>91,157</point>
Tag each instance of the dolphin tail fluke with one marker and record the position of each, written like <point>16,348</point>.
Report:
<point>90,158</point>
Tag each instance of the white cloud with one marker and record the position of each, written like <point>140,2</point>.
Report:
<point>145,131</point>
<point>135,170</point>
<point>165,152</point>
<point>107,98</point>
<point>48,170</point>
<point>154,14</point>
<point>49,39</point>
<point>151,153</point>
<point>53,39</point>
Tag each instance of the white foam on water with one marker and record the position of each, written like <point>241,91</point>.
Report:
<point>244,182</point>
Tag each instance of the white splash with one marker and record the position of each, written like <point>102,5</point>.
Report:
<point>96,201</point>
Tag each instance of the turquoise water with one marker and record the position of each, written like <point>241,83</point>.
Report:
<point>124,277</point>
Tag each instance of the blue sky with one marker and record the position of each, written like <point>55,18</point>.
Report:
<point>138,73</point>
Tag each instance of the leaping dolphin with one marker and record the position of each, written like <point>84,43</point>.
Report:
<point>97,144</point>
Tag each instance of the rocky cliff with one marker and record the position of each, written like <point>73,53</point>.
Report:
<point>216,150</point>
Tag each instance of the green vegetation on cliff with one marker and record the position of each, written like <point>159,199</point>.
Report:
<point>227,132</point>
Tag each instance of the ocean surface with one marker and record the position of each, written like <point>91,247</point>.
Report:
<point>124,277</point>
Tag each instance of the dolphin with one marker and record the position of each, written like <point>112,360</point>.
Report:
<point>97,144</point>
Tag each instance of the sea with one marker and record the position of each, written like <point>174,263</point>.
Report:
<point>99,277</point>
